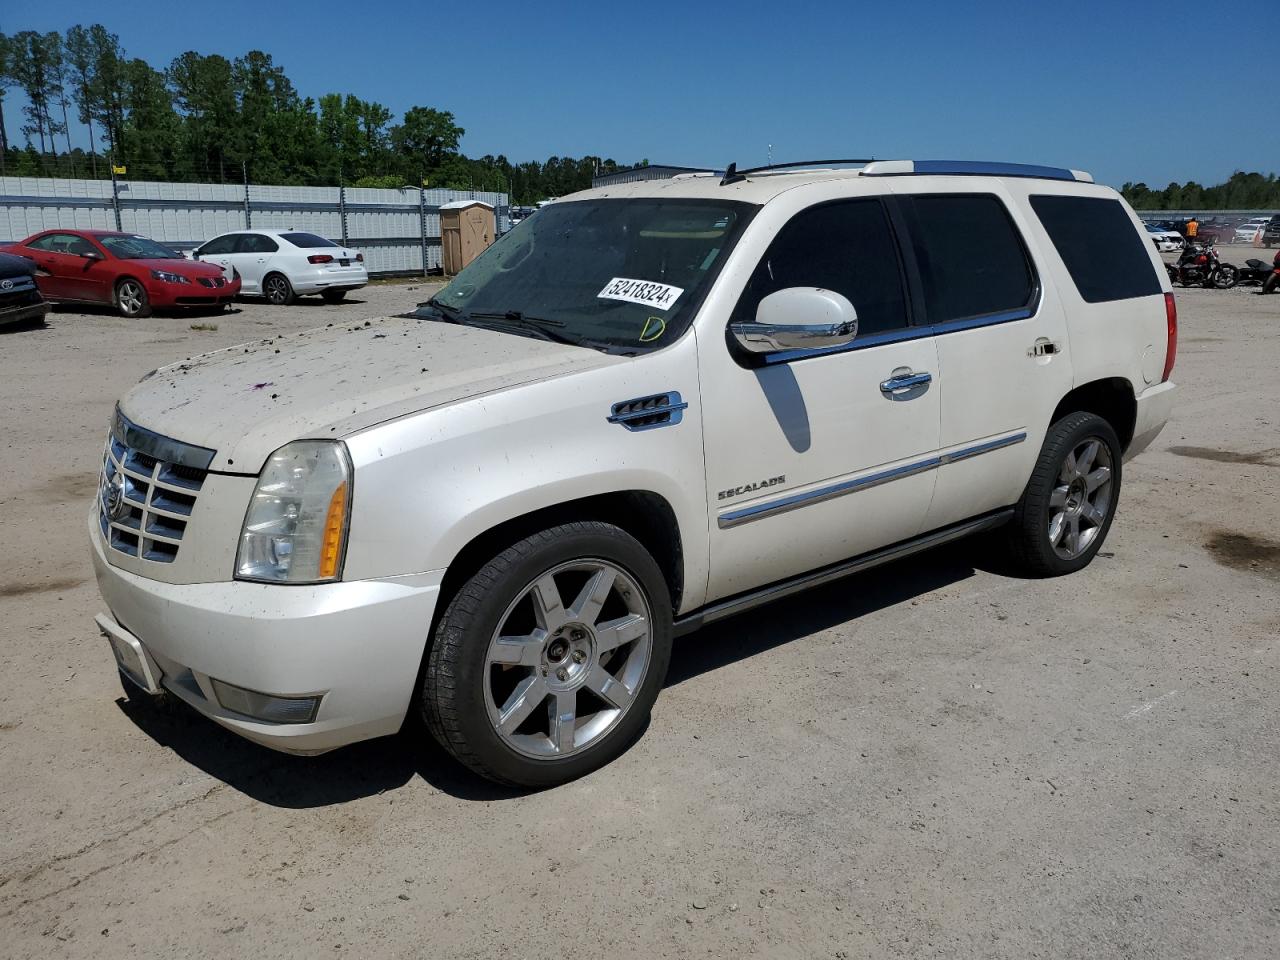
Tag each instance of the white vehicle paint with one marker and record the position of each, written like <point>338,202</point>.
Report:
<point>747,451</point>
<point>310,264</point>
<point>1247,232</point>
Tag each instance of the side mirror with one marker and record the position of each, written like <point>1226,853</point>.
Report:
<point>92,255</point>
<point>798,318</point>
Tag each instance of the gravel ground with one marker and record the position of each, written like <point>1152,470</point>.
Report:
<point>929,760</point>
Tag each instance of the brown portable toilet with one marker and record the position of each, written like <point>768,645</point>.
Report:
<point>466,228</point>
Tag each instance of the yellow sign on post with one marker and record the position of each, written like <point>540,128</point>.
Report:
<point>120,169</point>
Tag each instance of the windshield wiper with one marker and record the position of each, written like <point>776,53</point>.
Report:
<point>444,310</point>
<point>539,325</point>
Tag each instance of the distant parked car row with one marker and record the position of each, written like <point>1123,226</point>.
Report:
<point>135,274</point>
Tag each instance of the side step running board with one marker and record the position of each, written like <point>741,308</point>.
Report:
<point>784,588</point>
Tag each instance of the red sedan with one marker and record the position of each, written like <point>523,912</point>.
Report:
<point>129,272</point>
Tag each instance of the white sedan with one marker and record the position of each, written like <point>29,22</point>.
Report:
<point>282,265</point>
<point>1247,231</point>
<point>1165,240</point>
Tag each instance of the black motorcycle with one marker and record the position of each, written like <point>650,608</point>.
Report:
<point>1261,272</point>
<point>1200,265</point>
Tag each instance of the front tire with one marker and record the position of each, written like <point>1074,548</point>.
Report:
<point>132,300</point>
<point>278,290</point>
<point>1272,283</point>
<point>1066,510</point>
<point>547,661</point>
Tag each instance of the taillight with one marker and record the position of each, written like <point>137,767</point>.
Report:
<point>359,258</point>
<point>1171,351</point>
<point>1200,259</point>
<point>320,258</point>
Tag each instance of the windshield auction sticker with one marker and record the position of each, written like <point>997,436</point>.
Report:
<point>660,296</point>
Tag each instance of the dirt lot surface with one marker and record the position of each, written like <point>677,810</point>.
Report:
<point>930,760</point>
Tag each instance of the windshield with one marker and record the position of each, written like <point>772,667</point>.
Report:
<point>138,248</point>
<point>622,274</point>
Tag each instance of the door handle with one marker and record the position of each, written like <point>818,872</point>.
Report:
<point>902,380</point>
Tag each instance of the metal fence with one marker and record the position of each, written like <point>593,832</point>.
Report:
<point>398,230</point>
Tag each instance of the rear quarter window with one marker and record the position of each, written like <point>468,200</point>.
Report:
<point>1104,254</point>
<point>307,241</point>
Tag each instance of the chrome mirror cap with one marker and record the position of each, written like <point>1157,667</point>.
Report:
<point>798,318</point>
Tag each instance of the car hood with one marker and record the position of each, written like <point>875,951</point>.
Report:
<point>192,269</point>
<point>249,400</point>
<point>13,266</point>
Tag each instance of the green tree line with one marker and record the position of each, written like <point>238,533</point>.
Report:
<point>1242,191</point>
<point>207,118</point>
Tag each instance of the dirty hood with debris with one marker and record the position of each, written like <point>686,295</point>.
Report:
<point>247,401</point>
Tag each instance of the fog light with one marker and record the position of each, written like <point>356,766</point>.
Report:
<point>263,706</point>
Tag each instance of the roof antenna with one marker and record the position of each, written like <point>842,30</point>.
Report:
<point>731,175</point>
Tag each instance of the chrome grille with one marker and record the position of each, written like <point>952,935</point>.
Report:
<point>144,502</point>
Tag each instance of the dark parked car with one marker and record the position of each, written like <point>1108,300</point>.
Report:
<point>1271,232</point>
<point>19,296</point>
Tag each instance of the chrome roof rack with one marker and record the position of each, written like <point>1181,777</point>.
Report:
<point>972,168</point>
<point>732,174</point>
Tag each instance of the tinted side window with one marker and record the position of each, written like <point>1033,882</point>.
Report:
<point>847,247</point>
<point>257,243</point>
<point>218,245</point>
<point>56,242</point>
<point>1094,236</point>
<point>972,261</point>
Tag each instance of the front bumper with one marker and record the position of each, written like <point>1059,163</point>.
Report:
<point>27,311</point>
<point>356,645</point>
<point>1155,406</point>
<point>163,294</point>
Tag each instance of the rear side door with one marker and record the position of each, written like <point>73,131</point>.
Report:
<point>253,256</point>
<point>1001,336</point>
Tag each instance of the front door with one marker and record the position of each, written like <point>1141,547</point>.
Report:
<point>219,251</point>
<point>60,267</point>
<point>813,457</point>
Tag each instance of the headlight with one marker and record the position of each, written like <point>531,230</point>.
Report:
<point>168,277</point>
<point>295,530</point>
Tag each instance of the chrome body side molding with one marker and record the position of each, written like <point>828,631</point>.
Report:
<point>758,511</point>
<point>784,588</point>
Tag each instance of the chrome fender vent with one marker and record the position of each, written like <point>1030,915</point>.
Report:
<point>646,413</point>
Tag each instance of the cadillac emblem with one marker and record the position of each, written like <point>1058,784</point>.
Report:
<point>114,504</point>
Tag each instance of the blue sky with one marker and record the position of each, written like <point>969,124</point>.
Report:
<point>1123,89</point>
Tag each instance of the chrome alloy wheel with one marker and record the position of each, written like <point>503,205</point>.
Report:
<point>131,297</point>
<point>277,289</point>
<point>1081,501</point>
<point>557,678</point>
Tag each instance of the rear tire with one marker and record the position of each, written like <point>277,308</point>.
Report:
<point>333,296</point>
<point>278,290</point>
<point>132,300</point>
<point>547,661</point>
<point>1066,510</point>
<point>1272,283</point>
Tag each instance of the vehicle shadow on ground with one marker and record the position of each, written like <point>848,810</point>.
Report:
<point>175,313</point>
<point>378,766</point>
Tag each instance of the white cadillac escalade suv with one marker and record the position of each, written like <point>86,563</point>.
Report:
<point>648,407</point>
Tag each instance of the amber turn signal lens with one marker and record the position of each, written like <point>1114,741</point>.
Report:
<point>335,521</point>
